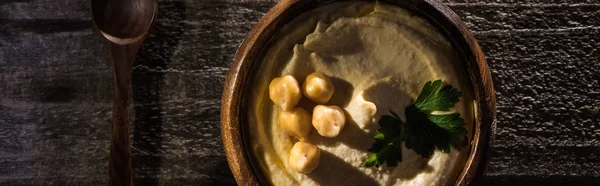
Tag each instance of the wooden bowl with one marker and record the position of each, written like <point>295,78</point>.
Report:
<point>233,126</point>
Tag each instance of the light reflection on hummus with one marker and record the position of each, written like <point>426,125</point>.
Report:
<point>378,56</point>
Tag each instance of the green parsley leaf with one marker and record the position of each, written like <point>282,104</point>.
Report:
<point>423,132</point>
<point>387,146</point>
<point>454,125</point>
<point>435,97</point>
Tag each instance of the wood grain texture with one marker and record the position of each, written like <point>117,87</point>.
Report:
<point>55,91</point>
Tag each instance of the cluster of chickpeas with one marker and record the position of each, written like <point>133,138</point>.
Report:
<point>297,122</point>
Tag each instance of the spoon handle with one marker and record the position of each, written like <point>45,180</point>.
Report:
<point>122,58</point>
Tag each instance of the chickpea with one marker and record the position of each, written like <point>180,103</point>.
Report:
<point>328,120</point>
<point>285,92</point>
<point>318,88</point>
<point>296,122</point>
<point>304,157</point>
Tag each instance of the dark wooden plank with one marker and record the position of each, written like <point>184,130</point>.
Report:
<point>177,87</point>
<point>532,3</point>
<point>541,180</point>
<point>547,86</point>
<point>550,17</point>
<point>55,91</point>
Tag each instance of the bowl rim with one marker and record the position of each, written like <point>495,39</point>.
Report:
<point>239,157</point>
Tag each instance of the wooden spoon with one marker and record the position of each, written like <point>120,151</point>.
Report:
<point>124,24</point>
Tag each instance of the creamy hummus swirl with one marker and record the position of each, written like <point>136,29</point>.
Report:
<point>379,56</point>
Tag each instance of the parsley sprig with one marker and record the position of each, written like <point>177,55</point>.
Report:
<point>423,131</point>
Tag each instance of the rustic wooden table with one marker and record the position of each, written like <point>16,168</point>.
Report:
<point>55,91</point>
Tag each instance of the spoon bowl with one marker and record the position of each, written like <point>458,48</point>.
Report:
<point>123,21</point>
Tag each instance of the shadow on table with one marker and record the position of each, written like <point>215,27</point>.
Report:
<point>328,172</point>
<point>147,83</point>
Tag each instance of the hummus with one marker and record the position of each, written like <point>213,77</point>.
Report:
<point>378,56</point>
